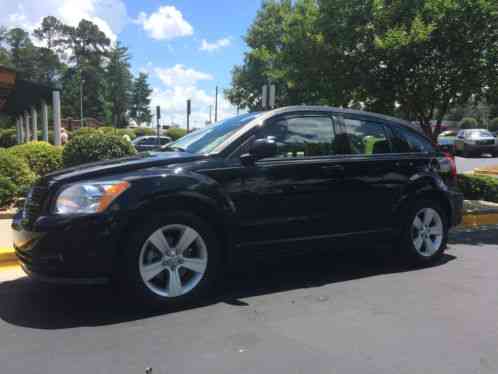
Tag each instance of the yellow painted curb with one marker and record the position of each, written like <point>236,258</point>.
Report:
<point>474,220</point>
<point>485,172</point>
<point>7,257</point>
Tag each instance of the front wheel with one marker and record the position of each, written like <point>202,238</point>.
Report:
<point>426,232</point>
<point>172,260</point>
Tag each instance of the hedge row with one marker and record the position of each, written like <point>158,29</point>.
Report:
<point>8,137</point>
<point>476,187</point>
<point>95,146</point>
<point>22,164</point>
<point>16,177</point>
<point>41,157</point>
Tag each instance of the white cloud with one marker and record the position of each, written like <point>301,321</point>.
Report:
<point>164,24</point>
<point>109,15</point>
<point>179,75</point>
<point>173,105</point>
<point>179,85</point>
<point>214,46</point>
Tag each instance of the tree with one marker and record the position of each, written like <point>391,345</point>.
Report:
<point>493,125</point>
<point>283,39</point>
<point>415,59</point>
<point>4,54</point>
<point>119,84</point>
<point>468,123</point>
<point>50,31</point>
<point>140,100</point>
<point>22,53</point>
<point>90,47</point>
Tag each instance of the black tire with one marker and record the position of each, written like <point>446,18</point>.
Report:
<point>410,253</point>
<point>130,280</point>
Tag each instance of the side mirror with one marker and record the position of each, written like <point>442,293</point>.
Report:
<point>261,148</point>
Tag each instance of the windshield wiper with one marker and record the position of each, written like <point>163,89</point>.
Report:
<point>174,148</point>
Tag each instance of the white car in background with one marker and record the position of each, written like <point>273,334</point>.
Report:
<point>475,142</point>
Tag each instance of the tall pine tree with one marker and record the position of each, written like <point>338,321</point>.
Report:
<point>140,100</point>
<point>119,84</point>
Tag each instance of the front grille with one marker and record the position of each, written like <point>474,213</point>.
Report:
<point>486,142</point>
<point>34,203</point>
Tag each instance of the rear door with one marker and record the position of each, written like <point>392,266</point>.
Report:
<point>371,176</point>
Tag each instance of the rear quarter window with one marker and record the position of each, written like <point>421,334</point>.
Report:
<point>408,141</point>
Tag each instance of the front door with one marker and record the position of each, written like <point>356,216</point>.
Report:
<point>292,198</point>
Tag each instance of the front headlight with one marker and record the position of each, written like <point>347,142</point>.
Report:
<point>89,197</point>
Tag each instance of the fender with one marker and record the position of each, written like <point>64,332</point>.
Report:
<point>163,190</point>
<point>422,185</point>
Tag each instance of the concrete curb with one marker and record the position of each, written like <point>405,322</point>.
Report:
<point>8,256</point>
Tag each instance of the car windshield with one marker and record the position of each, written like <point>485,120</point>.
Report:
<point>480,134</point>
<point>207,139</point>
<point>447,133</point>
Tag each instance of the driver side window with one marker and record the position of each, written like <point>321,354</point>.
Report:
<point>298,137</point>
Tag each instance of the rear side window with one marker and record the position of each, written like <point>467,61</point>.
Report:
<point>302,136</point>
<point>366,137</point>
<point>406,141</point>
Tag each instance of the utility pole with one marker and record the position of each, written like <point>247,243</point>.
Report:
<point>189,109</point>
<point>216,106</point>
<point>82,81</point>
<point>158,117</point>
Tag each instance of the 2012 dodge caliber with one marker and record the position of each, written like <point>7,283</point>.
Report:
<point>165,224</point>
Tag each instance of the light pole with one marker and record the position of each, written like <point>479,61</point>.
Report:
<point>82,81</point>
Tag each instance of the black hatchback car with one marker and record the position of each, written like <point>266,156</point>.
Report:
<point>165,224</point>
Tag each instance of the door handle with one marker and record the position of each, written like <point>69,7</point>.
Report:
<point>404,164</point>
<point>332,169</point>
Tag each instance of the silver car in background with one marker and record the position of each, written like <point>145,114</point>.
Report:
<point>475,142</point>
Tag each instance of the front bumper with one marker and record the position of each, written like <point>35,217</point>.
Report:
<point>476,148</point>
<point>62,250</point>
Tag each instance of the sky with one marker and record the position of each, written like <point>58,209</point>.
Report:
<point>187,47</point>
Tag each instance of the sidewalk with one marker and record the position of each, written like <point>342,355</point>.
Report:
<point>5,234</point>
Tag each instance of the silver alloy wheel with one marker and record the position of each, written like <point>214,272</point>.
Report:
<point>427,232</point>
<point>173,260</point>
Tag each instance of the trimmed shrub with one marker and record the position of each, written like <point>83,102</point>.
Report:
<point>17,170</point>
<point>85,131</point>
<point>175,133</point>
<point>107,129</point>
<point>468,123</point>
<point>95,147</point>
<point>143,131</point>
<point>476,187</point>
<point>8,191</point>
<point>41,157</point>
<point>493,125</point>
<point>118,132</point>
<point>7,138</point>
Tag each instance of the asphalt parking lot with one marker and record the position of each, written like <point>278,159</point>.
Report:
<point>355,312</point>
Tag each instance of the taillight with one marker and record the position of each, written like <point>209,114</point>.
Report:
<point>451,159</point>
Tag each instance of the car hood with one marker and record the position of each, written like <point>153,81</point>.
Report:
<point>119,166</point>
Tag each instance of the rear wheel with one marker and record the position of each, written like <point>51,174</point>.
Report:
<point>172,260</point>
<point>426,232</point>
